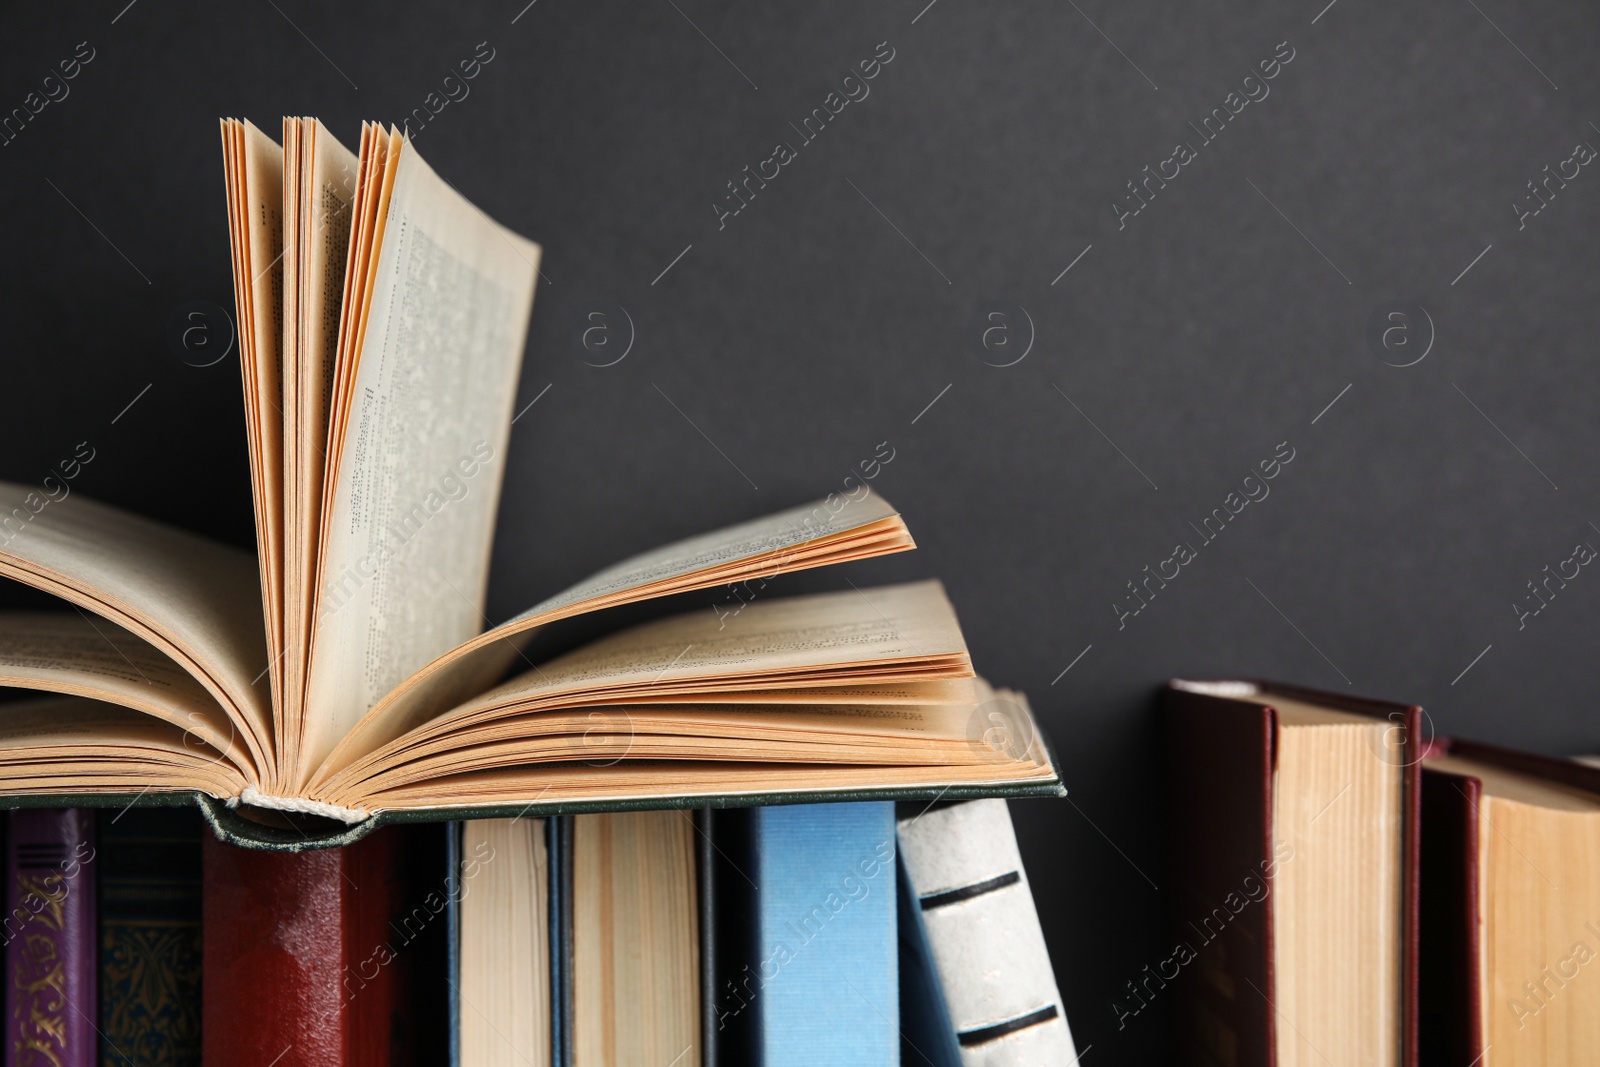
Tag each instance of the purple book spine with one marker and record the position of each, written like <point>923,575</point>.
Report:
<point>49,937</point>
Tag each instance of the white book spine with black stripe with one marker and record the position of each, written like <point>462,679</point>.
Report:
<point>966,872</point>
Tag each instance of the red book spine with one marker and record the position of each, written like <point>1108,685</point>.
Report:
<point>294,974</point>
<point>50,939</point>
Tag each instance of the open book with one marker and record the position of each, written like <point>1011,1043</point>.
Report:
<point>348,668</point>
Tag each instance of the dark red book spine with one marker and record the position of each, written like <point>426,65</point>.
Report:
<point>50,939</point>
<point>316,959</point>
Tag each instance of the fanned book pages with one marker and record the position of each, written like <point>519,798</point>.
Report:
<point>346,669</point>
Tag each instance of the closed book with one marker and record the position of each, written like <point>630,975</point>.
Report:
<point>1293,865</point>
<point>148,864</point>
<point>966,876</point>
<point>1511,907</point>
<point>327,958</point>
<point>502,1003</point>
<point>49,932</point>
<point>825,984</point>
<point>633,974</point>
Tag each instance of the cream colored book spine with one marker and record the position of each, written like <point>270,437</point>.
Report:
<point>966,872</point>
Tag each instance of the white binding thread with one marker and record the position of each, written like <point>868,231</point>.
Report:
<point>252,796</point>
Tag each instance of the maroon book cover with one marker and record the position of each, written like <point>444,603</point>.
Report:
<point>1221,755</point>
<point>324,958</point>
<point>50,939</point>
<point>1451,956</point>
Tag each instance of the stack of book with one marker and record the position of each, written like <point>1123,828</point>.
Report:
<point>631,900</point>
<point>1350,887</point>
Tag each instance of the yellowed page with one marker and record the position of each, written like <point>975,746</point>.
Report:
<point>505,953</point>
<point>292,267</point>
<point>358,266</point>
<point>901,736</point>
<point>70,745</point>
<point>1338,802</point>
<point>195,600</point>
<point>750,553</point>
<point>855,627</point>
<point>605,780</point>
<point>357,257</point>
<point>406,566</point>
<point>856,636</point>
<point>325,190</point>
<point>258,175</point>
<point>380,164</point>
<point>240,210</point>
<point>1539,866</point>
<point>877,718</point>
<point>761,537</point>
<point>635,967</point>
<point>74,653</point>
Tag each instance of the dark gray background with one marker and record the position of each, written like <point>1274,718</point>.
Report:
<point>827,315</point>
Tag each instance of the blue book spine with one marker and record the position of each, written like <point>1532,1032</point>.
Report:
<point>826,981</point>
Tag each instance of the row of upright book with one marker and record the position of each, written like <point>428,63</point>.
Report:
<point>102,937</point>
<point>1349,886</point>
<point>809,934</point>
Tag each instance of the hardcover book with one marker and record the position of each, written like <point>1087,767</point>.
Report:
<point>328,958</point>
<point>632,988</point>
<point>974,910</point>
<point>806,971</point>
<point>347,669</point>
<point>1511,907</point>
<point>502,995</point>
<point>49,939</point>
<point>148,866</point>
<point>1293,817</point>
